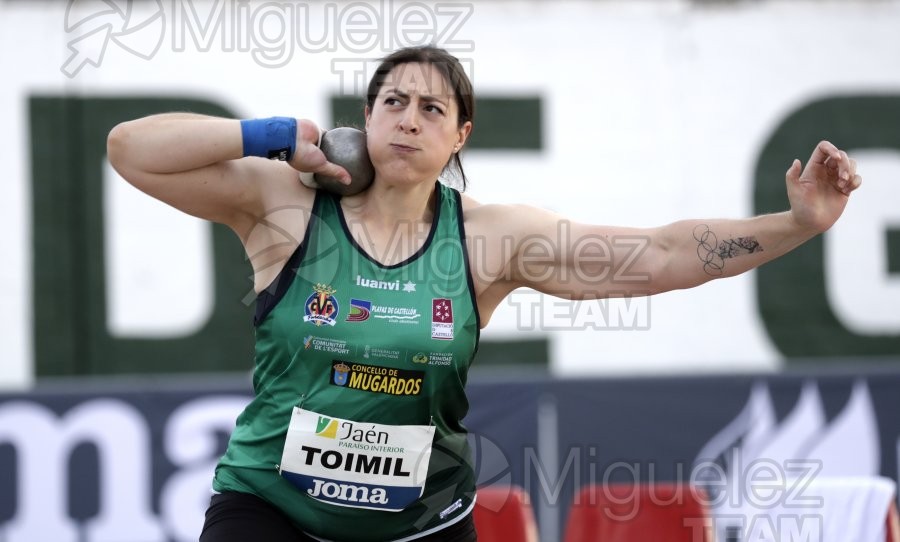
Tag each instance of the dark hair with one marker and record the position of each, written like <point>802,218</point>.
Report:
<point>449,66</point>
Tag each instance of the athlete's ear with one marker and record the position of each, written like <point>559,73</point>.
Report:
<point>463,134</point>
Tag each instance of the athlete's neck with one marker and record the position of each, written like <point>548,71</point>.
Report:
<point>386,206</point>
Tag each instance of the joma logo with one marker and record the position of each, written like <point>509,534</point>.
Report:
<point>348,492</point>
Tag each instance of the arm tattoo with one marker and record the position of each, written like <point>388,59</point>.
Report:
<point>713,253</point>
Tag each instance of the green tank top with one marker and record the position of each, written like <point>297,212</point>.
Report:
<point>355,431</point>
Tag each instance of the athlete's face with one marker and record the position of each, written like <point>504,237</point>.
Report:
<point>413,126</point>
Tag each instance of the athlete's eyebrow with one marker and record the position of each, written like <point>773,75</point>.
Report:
<point>423,97</point>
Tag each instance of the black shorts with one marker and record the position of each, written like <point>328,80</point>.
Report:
<point>239,517</point>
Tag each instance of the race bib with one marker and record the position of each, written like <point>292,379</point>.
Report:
<point>361,465</point>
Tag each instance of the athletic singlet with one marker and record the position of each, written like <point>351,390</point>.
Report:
<point>355,429</point>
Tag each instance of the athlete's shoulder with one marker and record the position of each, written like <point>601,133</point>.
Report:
<point>468,201</point>
<point>476,211</point>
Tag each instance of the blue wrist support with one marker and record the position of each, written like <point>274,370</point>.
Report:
<point>274,138</point>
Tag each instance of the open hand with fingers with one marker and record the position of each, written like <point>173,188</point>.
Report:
<point>820,192</point>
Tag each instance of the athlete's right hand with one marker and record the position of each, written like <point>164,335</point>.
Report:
<point>308,157</point>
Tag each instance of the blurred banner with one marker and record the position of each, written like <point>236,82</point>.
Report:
<point>134,462</point>
<point>625,113</point>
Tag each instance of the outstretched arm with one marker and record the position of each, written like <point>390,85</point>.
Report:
<point>818,195</point>
<point>602,261</point>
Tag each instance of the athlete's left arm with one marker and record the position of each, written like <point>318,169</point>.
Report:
<point>580,261</point>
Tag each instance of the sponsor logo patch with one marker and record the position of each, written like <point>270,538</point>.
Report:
<point>359,310</point>
<point>396,315</point>
<point>390,285</point>
<point>374,379</point>
<point>383,353</point>
<point>442,359</point>
<point>441,318</point>
<point>332,346</point>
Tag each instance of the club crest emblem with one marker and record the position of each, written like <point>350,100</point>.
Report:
<point>321,306</point>
<point>340,370</point>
